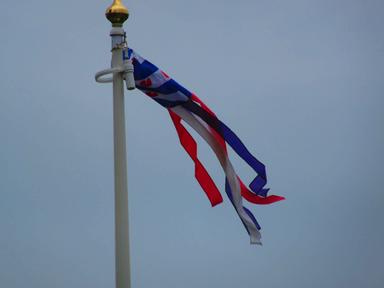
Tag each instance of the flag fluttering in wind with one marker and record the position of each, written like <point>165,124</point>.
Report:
<point>186,106</point>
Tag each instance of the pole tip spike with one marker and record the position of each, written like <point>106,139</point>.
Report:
<point>117,13</point>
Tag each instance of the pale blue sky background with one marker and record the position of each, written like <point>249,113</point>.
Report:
<point>301,82</point>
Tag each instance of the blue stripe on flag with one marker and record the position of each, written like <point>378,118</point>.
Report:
<point>166,103</point>
<point>259,182</point>
<point>143,70</point>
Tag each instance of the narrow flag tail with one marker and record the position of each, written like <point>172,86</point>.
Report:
<point>232,182</point>
<point>187,107</point>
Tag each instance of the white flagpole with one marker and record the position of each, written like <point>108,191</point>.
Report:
<point>121,69</point>
<point>121,181</point>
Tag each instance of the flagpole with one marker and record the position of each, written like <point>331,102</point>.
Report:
<point>121,69</point>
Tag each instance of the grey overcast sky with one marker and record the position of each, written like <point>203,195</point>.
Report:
<point>301,82</point>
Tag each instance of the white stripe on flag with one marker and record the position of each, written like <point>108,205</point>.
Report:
<point>157,79</point>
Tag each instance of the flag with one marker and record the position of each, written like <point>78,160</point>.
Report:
<point>185,106</point>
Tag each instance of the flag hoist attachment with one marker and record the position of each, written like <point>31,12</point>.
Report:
<point>126,69</point>
<point>117,14</point>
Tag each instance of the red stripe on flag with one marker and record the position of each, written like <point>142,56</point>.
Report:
<point>256,199</point>
<point>201,174</point>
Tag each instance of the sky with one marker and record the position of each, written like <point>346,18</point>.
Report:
<point>301,82</point>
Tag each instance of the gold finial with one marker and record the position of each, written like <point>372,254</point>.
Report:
<point>117,13</point>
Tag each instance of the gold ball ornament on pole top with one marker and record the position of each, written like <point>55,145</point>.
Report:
<point>117,13</point>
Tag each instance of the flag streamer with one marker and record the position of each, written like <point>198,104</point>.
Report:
<point>186,106</point>
<point>232,182</point>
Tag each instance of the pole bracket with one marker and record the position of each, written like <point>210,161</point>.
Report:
<point>99,75</point>
<point>127,69</point>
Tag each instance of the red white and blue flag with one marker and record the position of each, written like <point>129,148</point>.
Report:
<point>186,106</point>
